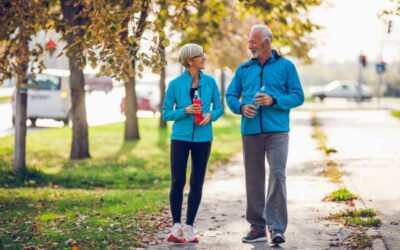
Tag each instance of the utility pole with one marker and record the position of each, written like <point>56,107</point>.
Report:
<point>362,64</point>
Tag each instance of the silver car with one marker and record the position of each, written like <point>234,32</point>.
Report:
<point>50,98</point>
<point>340,89</point>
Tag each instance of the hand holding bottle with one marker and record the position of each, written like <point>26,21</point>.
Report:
<point>262,99</point>
<point>198,117</point>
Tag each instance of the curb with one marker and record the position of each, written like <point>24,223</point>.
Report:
<point>373,232</point>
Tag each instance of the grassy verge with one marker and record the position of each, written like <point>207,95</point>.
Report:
<point>111,200</point>
<point>5,98</point>
<point>309,99</point>
<point>396,114</point>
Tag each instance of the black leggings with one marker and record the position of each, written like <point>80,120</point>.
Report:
<point>200,151</point>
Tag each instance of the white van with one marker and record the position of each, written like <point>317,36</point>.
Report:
<point>50,99</point>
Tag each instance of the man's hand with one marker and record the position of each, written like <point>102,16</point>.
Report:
<point>206,119</point>
<point>248,110</point>
<point>193,109</point>
<point>263,99</point>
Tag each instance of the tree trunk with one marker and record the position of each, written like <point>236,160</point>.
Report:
<point>163,124</point>
<point>222,91</point>
<point>19,163</point>
<point>131,122</point>
<point>80,140</point>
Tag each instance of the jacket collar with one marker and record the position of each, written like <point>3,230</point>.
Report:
<point>189,78</point>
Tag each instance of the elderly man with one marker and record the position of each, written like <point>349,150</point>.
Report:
<point>269,87</point>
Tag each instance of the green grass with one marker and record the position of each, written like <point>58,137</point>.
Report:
<point>106,200</point>
<point>396,114</point>
<point>362,217</point>
<point>358,241</point>
<point>341,195</point>
<point>5,98</point>
<point>332,171</point>
<point>309,99</point>
<point>318,133</point>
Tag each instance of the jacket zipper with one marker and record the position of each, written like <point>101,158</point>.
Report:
<point>261,80</point>
<point>194,124</point>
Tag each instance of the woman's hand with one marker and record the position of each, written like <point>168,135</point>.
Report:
<point>206,119</point>
<point>193,109</point>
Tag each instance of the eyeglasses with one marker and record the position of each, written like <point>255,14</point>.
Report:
<point>203,55</point>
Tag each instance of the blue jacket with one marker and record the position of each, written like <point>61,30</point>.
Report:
<point>279,77</point>
<point>178,95</point>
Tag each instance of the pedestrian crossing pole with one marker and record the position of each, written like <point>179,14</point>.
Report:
<point>362,64</point>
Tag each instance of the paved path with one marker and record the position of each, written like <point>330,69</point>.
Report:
<point>368,144</point>
<point>221,224</point>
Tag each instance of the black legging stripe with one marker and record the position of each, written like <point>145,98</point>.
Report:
<point>200,152</point>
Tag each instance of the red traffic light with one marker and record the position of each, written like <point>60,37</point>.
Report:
<point>363,60</point>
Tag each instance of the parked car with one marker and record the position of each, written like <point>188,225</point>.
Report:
<point>340,89</point>
<point>93,83</point>
<point>49,99</point>
<point>148,99</point>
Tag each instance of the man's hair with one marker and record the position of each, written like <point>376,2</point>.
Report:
<point>187,52</point>
<point>266,33</point>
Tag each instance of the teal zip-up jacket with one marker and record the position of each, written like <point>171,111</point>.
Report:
<point>178,95</point>
<point>279,77</point>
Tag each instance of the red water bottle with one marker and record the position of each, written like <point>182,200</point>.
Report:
<point>197,117</point>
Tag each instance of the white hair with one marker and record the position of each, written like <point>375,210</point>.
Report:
<point>187,52</point>
<point>266,33</point>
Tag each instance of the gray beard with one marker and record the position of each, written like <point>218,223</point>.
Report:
<point>258,53</point>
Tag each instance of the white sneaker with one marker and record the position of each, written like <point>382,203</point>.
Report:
<point>176,234</point>
<point>189,234</point>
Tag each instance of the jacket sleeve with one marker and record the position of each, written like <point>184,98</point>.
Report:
<point>217,109</point>
<point>234,93</point>
<point>295,95</point>
<point>168,111</point>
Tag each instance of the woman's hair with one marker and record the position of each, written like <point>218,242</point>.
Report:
<point>265,32</point>
<point>187,52</point>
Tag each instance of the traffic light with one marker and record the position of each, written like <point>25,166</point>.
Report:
<point>383,65</point>
<point>363,60</point>
<point>389,26</point>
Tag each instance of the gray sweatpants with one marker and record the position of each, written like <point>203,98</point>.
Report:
<point>270,209</point>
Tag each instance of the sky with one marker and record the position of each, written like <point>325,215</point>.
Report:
<point>352,27</point>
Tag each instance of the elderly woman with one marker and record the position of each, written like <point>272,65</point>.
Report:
<point>189,137</point>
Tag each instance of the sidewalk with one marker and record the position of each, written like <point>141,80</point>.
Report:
<point>221,223</point>
<point>368,144</point>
